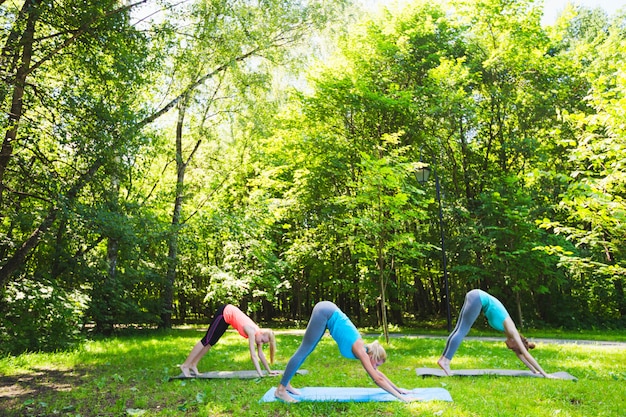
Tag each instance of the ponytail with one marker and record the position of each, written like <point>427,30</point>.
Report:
<point>272,343</point>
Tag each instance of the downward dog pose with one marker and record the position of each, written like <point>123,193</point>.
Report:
<point>498,318</point>
<point>230,315</point>
<point>327,315</point>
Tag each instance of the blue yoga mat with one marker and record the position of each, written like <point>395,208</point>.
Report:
<point>344,394</point>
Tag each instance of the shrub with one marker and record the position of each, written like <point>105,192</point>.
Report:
<point>37,316</point>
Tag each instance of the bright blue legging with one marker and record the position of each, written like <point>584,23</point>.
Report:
<point>312,335</point>
<point>469,313</point>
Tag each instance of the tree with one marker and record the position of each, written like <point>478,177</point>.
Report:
<point>591,211</point>
<point>379,211</point>
<point>31,52</point>
<point>229,47</point>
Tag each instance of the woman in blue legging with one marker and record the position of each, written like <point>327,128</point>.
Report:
<point>327,315</point>
<point>498,318</point>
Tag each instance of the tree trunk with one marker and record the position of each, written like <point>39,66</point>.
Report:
<point>15,112</point>
<point>167,297</point>
<point>383,296</point>
<point>519,310</point>
<point>394,300</point>
<point>106,322</point>
<point>18,258</point>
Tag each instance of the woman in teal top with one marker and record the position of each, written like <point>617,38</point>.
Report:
<point>498,318</point>
<point>327,315</point>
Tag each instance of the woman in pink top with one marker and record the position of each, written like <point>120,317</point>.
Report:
<point>230,315</point>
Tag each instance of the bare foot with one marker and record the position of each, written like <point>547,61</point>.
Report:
<point>194,370</point>
<point>444,363</point>
<point>281,394</point>
<point>292,390</point>
<point>185,371</point>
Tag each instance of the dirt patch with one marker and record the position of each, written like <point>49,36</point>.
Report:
<point>16,390</point>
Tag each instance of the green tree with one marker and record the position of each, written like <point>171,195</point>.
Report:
<point>591,211</point>
<point>378,213</point>
<point>68,71</point>
<point>228,50</point>
<point>31,55</point>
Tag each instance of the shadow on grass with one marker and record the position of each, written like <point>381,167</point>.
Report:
<point>103,370</point>
<point>18,391</point>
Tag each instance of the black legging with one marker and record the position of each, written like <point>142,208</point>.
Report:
<point>216,329</point>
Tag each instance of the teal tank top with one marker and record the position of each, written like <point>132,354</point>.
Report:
<point>493,310</point>
<point>344,332</point>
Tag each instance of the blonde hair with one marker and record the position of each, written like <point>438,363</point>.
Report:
<point>376,351</point>
<point>272,343</point>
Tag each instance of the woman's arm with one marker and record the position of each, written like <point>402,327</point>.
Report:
<point>261,355</point>
<point>530,366</point>
<point>250,332</point>
<point>515,342</point>
<point>378,377</point>
<point>400,390</point>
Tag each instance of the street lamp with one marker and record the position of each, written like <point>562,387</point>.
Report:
<point>422,173</point>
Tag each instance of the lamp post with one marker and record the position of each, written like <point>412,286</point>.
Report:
<point>422,173</point>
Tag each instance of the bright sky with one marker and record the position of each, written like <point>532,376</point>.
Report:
<point>552,8</point>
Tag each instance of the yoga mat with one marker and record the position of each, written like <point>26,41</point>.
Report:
<point>344,394</point>
<point>231,375</point>
<point>478,372</point>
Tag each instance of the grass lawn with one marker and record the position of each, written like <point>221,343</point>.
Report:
<point>128,375</point>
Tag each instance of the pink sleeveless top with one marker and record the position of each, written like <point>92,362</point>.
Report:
<point>238,319</point>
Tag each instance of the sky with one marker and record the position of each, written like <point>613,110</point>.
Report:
<point>552,8</point>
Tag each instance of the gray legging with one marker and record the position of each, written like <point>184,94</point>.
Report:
<point>469,313</point>
<point>313,334</point>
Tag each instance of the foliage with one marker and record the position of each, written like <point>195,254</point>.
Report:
<point>40,317</point>
<point>161,158</point>
<point>591,210</point>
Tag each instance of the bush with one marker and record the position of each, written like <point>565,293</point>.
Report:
<point>39,317</point>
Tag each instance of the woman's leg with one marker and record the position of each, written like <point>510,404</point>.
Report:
<point>313,334</point>
<point>199,354</point>
<point>216,330</point>
<point>469,313</point>
<point>191,363</point>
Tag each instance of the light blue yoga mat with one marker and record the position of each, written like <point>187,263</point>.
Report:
<point>347,394</point>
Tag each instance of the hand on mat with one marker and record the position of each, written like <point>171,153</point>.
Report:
<point>545,376</point>
<point>406,399</point>
<point>273,373</point>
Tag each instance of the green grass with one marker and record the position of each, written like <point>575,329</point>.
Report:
<point>128,375</point>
